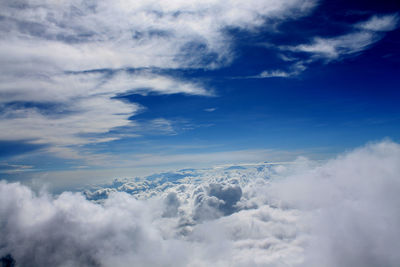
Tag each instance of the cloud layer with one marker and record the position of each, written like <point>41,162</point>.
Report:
<point>339,213</point>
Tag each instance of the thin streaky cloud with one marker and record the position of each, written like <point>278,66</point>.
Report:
<point>366,34</point>
<point>48,41</point>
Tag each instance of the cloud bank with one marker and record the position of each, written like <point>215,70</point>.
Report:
<point>339,213</point>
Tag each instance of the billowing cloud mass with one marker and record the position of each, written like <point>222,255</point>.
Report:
<point>63,62</point>
<point>343,212</point>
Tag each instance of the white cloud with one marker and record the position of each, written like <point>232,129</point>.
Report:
<point>368,33</point>
<point>80,105</point>
<point>333,48</point>
<point>131,165</point>
<point>339,213</point>
<point>362,37</point>
<point>48,49</point>
<point>196,159</point>
<point>380,23</point>
<point>118,34</point>
<point>61,87</point>
<point>294,70</point>
<point>88,116</point>
<point>162,230</point>
<point>268,74</point>
<point>275,73</point>
<point>351,204</point>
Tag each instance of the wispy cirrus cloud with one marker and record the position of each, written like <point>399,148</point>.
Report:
<point>380,23</point>
<point>294,70</point>
<point>364,35</point>
<point>361,37</point>
<point>14,168</point>
<point>118,34</point>
<point>63,109</point>
<point>63,63</point>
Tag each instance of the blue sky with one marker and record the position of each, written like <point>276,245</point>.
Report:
<point>117,88</point>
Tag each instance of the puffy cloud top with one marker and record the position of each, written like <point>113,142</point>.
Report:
<point>339,213</point>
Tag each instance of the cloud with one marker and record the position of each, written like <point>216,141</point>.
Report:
<point>369,32</point>
<point>211,158</point>
<point>143,164</point>
<point>294,70</point>
<point>342,212</point>
<point>157,230</point>
<point>380,23</point>
<point>333,48</point>
<point>272,74</point>
<point>78,109</point>
<point>14,168</point>
<point>351,203</point>
<point>363,35</point>
<point>120,34</point>
<point>63,63</point>
<point>217,200</point>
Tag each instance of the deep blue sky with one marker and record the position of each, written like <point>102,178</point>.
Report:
<point>314,82</point>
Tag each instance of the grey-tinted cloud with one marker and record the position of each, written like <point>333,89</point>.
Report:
<point>339,213</point>
<point>351,203</point>
<point>217,200</point>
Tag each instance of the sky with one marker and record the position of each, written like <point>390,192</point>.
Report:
<point>96,90</point>
<point>199,133</point>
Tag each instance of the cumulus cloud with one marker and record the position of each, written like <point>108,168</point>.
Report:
<point>216,200</point>
<point>342,212</point>
<point>352,204</point>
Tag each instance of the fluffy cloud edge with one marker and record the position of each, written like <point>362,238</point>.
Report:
<point>253,215</point>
